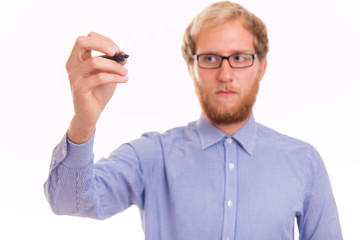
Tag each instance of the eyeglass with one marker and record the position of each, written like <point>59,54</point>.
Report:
<point>213,61</point>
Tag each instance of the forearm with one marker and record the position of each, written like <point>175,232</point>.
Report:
<point>71,179</point>
<point>77,187</point>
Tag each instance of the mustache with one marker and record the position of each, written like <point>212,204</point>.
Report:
<point>226,88</point>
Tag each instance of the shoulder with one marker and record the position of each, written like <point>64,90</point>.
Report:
<point>274,141</point>
<point>297,154</point>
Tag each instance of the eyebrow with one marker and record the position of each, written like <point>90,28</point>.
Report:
<point>246,51</point>
<point>225,55</point>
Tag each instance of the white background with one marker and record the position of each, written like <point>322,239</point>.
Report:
<point>310,91</point>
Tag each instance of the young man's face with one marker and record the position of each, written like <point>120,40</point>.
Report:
<point>227,94</point>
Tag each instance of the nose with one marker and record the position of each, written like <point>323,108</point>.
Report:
<point>225,73</point>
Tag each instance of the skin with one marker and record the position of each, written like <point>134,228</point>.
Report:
<point>93,81</point>
<point>226,88</point>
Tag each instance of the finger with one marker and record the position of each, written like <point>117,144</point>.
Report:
<point>84,44</point>
<point>102,78</point>
<point>95,65</point>
<point>84,85</point>
<point>97,42</point>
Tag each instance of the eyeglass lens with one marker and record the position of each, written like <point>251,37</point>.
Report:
<point>214,61</point>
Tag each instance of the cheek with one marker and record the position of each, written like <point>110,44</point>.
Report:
<point>246,77</point>
<point>204,77</point>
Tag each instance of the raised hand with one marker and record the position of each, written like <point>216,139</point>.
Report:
<point>93,81</point>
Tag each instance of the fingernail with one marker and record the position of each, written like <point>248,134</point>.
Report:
<point>113,50</point>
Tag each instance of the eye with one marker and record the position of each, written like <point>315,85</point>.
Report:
<point>209,58</point>
<point>240,57</point>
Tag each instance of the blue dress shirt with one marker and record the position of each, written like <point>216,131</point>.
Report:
<point>194,182</point>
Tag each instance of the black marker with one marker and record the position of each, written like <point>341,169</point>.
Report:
<point>118,57</point>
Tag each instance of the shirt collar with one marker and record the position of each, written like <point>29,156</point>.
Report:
<point>209,134</point>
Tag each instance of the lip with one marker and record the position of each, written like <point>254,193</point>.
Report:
<point>226,93</point>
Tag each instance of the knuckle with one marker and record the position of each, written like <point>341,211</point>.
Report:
<point>93,62</point>
<point>91,34</point>
<point>101,77</point>
<point>98,77</point>
<point>67,66</point>
<point>80,40</point>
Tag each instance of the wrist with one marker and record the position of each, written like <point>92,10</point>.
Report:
<point>79,133</point>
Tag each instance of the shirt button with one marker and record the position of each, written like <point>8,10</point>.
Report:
<point>231,166</point>
<point>229,140</point>
<point>229,203</point>
<point>63,152</point>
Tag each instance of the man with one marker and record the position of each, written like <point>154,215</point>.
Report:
<point>222,177</point>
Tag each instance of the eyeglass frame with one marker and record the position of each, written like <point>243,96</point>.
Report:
<point>253,56</point>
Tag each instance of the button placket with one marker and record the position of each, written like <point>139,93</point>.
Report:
<point>230,188</point>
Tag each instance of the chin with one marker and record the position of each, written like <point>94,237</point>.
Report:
<point>225,114</point>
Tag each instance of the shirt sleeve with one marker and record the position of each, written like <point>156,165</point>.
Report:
<point>319,219</point>
<point>78,187</point>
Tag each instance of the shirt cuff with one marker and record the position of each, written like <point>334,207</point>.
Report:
<point>78,155</point>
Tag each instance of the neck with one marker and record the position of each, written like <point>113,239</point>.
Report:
<point>230,128</point>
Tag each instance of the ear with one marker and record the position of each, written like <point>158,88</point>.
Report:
<point>263,65</point>
<point>191,69</point>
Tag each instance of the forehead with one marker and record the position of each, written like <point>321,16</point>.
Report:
<point>225,38</point>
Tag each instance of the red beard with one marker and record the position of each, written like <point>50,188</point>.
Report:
<point>239,112</point>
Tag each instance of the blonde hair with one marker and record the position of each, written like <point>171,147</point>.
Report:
<point>221,12</point>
